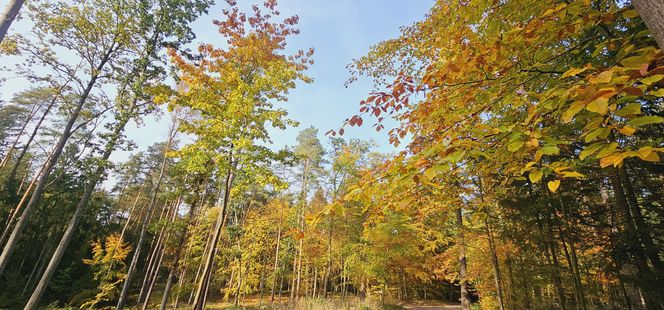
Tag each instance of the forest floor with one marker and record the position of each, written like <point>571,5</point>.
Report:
<point>432,305</point>
<point>334,304</point>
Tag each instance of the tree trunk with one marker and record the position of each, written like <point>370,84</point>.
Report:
<point>652,13</point>
<point>15,211</point>
<point>276,255</point>
<point>8,16</point>
<point>463,282</point>
<point>50,164</point>
<point>640,224</point>
<point>178,250</point>
<point>201,290</point>
<point>131,211</point>
<point>644,277</point>
<point>328,267</point>
<point>496,265</point>
<point>8,155</point>
<point>73,222</point>
<point>576,274</point>
<point>145,222</point>
<point>161,256</point>
<point>156,251</point>
<point>24,151</point>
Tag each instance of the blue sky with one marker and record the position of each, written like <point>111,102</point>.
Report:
<point>339,31</point>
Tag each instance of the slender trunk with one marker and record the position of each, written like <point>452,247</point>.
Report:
<point>640,224</point>
<point>292,286</point>
<point>463,282</point>
<point>303,201</point>
<point>496,265</point>
<point>239,281</point>
<point>15,211</point>
<point>328,263</point>
<point>73,222</point>
<point>276,255</point>
<point>146,221</point>
<point>556,265</point>
<point>645,277</point>
<point>36,269</point>
<point>201,290</point>
<point>12,147</point>
<point>176,259</point>
<point>161,256</point>
<point>9,248</point>
<point>313,293</point>
<point>133,207</point>
<point>156,250</point>
<point>575,262</point>
<point>652,13</point>
<point>8,16</point>
<point>26,147</point>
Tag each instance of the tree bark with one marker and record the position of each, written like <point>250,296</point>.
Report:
<point>24,151</point>
<point>652,13</point>
<point>8,16</point>
<point>276,255</point>
<point>496,265</point>
<point>642,228</point>
<point>146,221</point>
<point>644,275</point>
<point>201,290</point>
<point>463,282</point>
<point>178,250</point>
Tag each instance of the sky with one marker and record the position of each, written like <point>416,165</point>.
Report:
<point>339,31</point>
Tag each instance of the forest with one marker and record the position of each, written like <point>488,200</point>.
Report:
<point>526,168</point>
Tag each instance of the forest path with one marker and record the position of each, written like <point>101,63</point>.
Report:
<point>432,305</point>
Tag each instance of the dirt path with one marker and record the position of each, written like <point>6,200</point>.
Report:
<point>433,305</point>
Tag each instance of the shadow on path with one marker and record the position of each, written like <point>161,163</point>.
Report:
<point>432,305</point>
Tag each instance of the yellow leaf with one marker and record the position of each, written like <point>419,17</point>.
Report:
<point>599,105</point>
<point>614,159</point>
<point>553,185</point>
<point>535,176</point>
<point>575,108</point>
<point>603,77</point>
<point>572,174</point>
<point>648,154</point>
<point>627,130</point>
<point>574,71</point>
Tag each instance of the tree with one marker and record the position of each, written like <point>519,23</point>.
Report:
<point>233,90</point>
<point>107,46</point>
<point>652,13</point>
<point>8,16</point>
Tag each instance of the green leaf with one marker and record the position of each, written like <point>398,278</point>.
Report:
<point>658,92</point>
<point>645,120</point>
<point>550,150</point>
<point>630,109</point>
<point>589,150</point>
<point>597,133</point>
<point>652,79</point>
<point>635,61</point>
<point>607,150</point>
<point>514,146</point>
